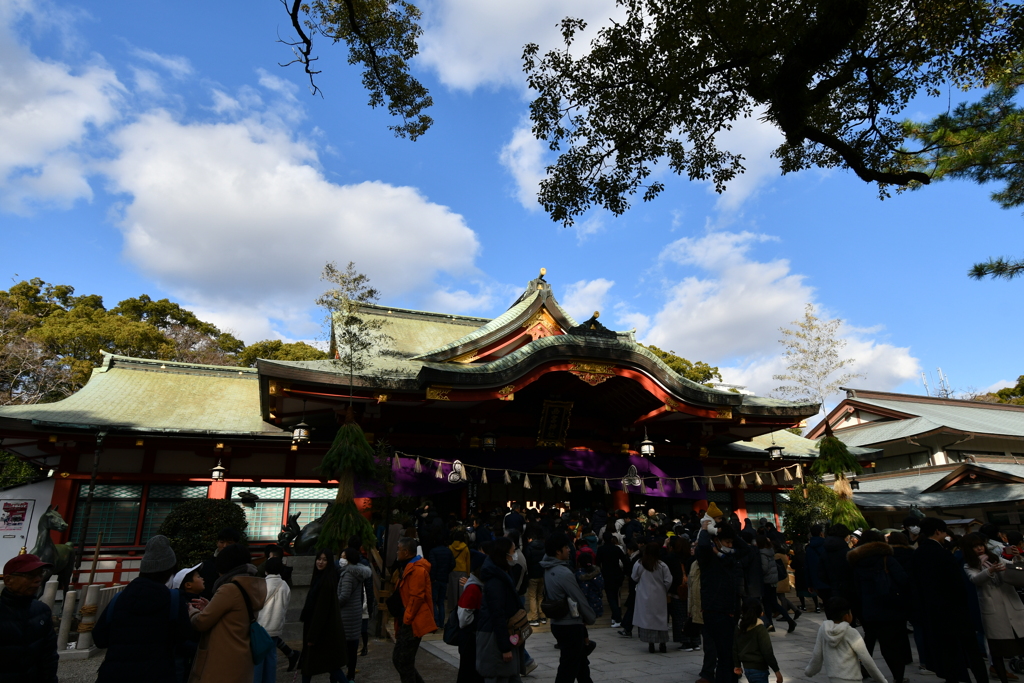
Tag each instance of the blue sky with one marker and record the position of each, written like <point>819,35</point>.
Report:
<point>148,148</point>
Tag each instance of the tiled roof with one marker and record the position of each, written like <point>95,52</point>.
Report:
<point>158,396</point>
<point>885,431</point>
<point>417,332</point>
<point>495,324</point>
<point>907,489</point>
<point>793,446</point>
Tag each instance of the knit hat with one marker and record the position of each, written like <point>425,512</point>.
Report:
<point>158,557</point>
<point>713,511</point>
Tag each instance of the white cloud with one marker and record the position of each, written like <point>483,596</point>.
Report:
<point>731,316</point>
<point>523,156</point>
<point>470,43</point>
<point>584,297</point>
<point>1001,384</point>
<point>235,217</point>
<point>177,66</point>
<point>47,110</point>
<point>755,140</point>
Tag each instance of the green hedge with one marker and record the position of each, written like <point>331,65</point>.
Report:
<point>192,527</point>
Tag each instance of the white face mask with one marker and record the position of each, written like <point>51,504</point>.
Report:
<point>515,556</point>
<point>914,530</point>
<point>343,562</point>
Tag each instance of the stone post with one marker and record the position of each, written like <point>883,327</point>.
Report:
<point>49,592</point>
<point>67,615</point>
<point>89,616</point>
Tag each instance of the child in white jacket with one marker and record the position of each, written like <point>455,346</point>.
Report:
<point>272,616</point>
<point>841,647</point>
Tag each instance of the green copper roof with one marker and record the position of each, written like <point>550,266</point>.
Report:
<point>501,321</point>
<point>793,446</point>
<point>158,396</point>
<point>417,332</point>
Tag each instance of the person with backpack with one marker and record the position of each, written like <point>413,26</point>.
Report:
<point>351,582</point>
<point>142,627</point>
<point>225,652</point>
<point>815,562</point>
<point>771,574</point>
<point>569,627</point>
<point>882,591</point>
<point>469,604</point>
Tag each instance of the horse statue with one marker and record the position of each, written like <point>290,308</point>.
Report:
<point>60,556</point>
<point>305,540</point>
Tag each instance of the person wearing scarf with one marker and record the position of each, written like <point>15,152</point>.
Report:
<point>323,635</point>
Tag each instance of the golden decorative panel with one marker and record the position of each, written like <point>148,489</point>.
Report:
<point>438,393</point>
<point>507,393</point>
<point>593,373</point>
<point>724,414</point>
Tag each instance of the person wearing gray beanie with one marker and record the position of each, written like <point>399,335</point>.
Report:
<point>158,557</point>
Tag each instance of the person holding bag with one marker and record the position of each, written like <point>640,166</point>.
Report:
<point>225,653</point>
<point>498,650</point>
<point>569,611</point>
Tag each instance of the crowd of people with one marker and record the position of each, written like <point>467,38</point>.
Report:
<point>701,582</point>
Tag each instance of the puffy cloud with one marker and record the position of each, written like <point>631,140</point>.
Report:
<point>237,217</point>
<point>755,140</point>
<point>523,156</point>
<point>47,110</point>
<point>731,316</point>
<point>470,43</point>
<point>584,297</point>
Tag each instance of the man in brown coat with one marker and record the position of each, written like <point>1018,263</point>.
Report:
<point>224,655</point>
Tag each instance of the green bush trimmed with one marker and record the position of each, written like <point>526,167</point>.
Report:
<point>192,527</point>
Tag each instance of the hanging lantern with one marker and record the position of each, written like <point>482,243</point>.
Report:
<point>646,446</point>
<point>805,493</point>
<point>490,441</point>
<point>248,499</point>
<point>417,468</point>
<point>301,432</point>
<point>586,484</point>
<point>217,473</point>
<point>854,484</point>
<point>607,490</point>
<point>774,452</point>
<point>526,482</point>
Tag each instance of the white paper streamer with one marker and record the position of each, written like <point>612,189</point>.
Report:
<point>396,463</point>
<point>508,479</point>
<point>606,488</point>
<point>743,482</point>
<point>799,471</point>
<point>711,483</point>
<point>483,477</point>
<point>417,468</point>
<point>757,479</point>
<point>696,486</point>
<point>526,482</point>
<point>547,481</point>
<point>568,489</point>
<point>586,484</point>
<point>440,473</point>
<point>786,476</point>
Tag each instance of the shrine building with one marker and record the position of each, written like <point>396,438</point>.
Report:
<point>530,406</point>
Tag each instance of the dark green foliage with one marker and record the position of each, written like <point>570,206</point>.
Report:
<point>15,472</point>
<point>192,527</point>
<point>847,513</point>
<point>275,349</point>
<point>802,513</point>
<point>349,452</point>
<point>1012,395</point>
<point>699,372</point>
<point>834,458</point>
<point>343,521</point>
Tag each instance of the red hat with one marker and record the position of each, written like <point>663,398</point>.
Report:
<point>23,564</point>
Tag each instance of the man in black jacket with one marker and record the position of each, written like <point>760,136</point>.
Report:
<point>143,625</point>
<point>208,570</point>
<point>941,594</point>
<point>720,559</point>
<point>28,644</point>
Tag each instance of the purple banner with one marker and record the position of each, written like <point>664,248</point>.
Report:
<point>597,466</point>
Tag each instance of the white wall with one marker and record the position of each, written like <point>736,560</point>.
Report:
<point>39,495</point>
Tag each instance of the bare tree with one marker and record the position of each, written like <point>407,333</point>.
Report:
<point>813,359</point>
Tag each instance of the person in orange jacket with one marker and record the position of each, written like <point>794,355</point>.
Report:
<point>418,618</point>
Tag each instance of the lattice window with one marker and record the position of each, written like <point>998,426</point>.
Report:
<point>117,519</point>
<point>264,520</point>
<point>760,506</point>
<point>310,510</point>
<point>161,500</point>
<point>314,493</point>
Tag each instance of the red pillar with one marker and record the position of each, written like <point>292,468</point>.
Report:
<point>620,500</point>
<point>218,490</point>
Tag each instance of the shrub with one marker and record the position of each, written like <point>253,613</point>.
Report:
<point>192,527</point>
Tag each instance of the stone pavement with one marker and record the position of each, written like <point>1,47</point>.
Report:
<point>626,659</point>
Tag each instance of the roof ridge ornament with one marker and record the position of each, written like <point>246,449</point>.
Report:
<point>592,328</point>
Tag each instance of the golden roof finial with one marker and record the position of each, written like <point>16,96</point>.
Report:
<point>543,272</point>
<point>597,314</point>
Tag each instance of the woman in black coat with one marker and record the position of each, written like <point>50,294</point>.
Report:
<point>497,656</point>
<point>323,635</point>
<point>835,568</point>
<point>881,585</point>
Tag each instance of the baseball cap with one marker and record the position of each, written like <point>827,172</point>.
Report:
<point>23,564</point>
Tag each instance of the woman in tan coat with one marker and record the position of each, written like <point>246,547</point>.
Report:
<point>224,655</point>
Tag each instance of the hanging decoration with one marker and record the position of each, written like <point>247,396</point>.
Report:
<point>661,486</point>
<point>696,486</point>
<point>607,489</point>
<point>727,484</point>
<point>440,472</point>
<point>547,481</point>
<point>711,484</point>
<point>526,482</point>
<point>586,484</point>
<point>568,489</point>
<point>632,478</point>
<point>799,471</point>
<point>758,481</point>
<point>679,489</point>
<point>772,479</point>
<point>786,476</point>
<point>743,482</point>
<point>508,479</point>
<point>417,468</point>
<point>458,473</point>
<point>396,463</point>
<point>483,477</point>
